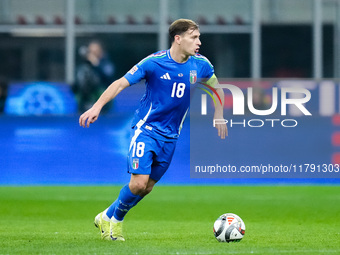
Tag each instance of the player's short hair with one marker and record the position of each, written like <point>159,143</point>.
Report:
<point>180,26</point>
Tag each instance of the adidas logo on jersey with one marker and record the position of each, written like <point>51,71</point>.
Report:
<point>166,76</point>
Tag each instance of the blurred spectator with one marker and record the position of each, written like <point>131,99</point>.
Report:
<point>3,94</point>
<point>94,74</point>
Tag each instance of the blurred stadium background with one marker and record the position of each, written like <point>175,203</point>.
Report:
<point>269,42</point>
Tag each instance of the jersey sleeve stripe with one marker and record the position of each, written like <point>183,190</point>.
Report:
<point>156,55</point>
<point>202,58</point>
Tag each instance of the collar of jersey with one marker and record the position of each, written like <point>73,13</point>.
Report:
<point>169,56</point>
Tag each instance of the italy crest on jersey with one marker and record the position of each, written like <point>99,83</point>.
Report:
<point>193,76</point>
<point>135,163</point>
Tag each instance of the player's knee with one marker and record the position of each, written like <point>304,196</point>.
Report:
<point>138,187</point>
<point>148,190</point>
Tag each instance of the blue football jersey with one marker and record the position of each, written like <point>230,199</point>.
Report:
<point>166,101</point>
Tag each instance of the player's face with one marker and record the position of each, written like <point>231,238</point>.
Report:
<point>190,42</point>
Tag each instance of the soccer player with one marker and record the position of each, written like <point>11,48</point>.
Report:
<point>168,75</point>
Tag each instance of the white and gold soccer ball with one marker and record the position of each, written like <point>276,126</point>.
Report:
<point>229,228</point>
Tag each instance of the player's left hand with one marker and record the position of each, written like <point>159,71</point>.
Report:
<point>222,130</point>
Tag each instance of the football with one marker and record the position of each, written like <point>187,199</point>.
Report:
<point>229,228</point>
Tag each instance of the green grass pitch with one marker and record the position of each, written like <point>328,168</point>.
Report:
<point>172,220</point>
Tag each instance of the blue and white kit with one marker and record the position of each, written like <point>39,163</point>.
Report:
<point>158,120</point>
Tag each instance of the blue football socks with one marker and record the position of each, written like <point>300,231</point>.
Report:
<point>125,201</point>
<point>111,209</point>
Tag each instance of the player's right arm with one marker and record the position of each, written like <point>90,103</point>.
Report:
<point>110,93</point>
<point>136,74</point>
